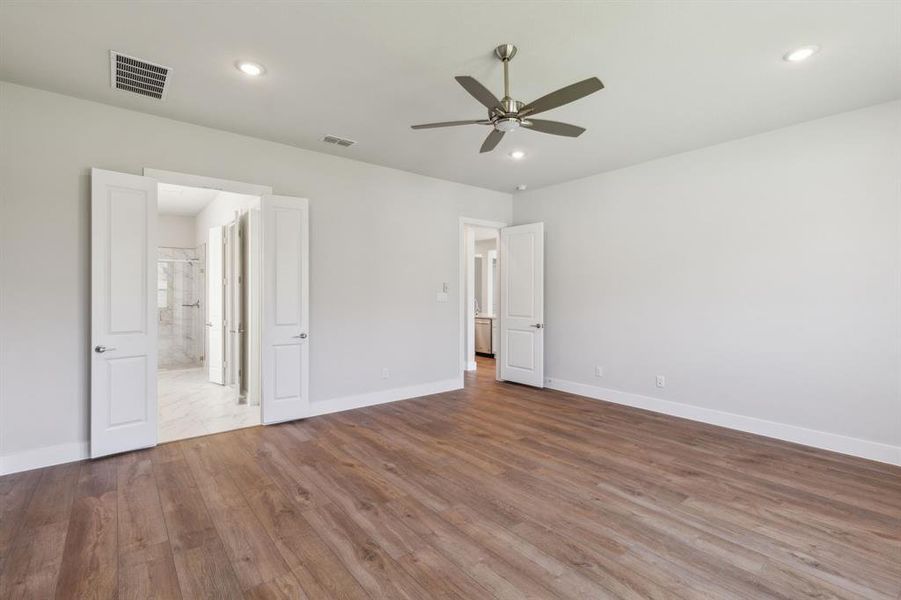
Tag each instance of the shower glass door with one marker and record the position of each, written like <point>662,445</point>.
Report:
<point>180,302</point>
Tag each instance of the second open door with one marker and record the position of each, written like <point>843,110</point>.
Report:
<point>522,304</point>
<point>285,303</point>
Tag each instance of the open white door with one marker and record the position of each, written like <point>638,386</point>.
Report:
<point>123,312</point>
<point>522,304</point>
<point>285,328</point>
<point>215,302</point>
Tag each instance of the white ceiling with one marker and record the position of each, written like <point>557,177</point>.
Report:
<point>679,75</point>
<point>183,200</point>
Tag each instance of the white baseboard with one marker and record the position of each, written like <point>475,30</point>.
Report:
<point>43,457</point>
<point>324,407</point>
<point>54,455</point>
<point>790,433</point>
<point>471,366</point>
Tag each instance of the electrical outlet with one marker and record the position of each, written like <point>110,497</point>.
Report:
<point>386,374</point>
<point>661,381</point>
<point>599,371</point>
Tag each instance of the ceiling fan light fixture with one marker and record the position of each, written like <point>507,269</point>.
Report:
<point>800,54</point>
<point>507,124</point>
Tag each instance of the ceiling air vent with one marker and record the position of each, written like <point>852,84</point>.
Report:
<point>332,139</point>
<point>138,76</point>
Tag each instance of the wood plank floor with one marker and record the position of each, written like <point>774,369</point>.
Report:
<point>493,491</point>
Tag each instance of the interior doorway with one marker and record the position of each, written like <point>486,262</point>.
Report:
<point>208,306</point>
<point>480,296</point>
<point>265,327</point>
<point>502,271</point>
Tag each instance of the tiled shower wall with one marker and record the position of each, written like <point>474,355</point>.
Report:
<point>181,287</point>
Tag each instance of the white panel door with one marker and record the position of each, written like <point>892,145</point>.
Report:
<point>215,302</point>
<point>285,318</point>
<point>123,312</point>
<point>522,304</point>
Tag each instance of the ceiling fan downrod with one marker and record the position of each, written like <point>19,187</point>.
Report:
<point>506,52</point>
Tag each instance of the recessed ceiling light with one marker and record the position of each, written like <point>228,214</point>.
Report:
<point>799,54</point>
<point>250,68</point>
<point>521,187</point>
<point>517,154</point>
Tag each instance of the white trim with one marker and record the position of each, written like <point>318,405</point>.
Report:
<point>324,407</point>
<point>790,433</point>
<point>43,457</point>
<point>461,268</point>
<point>471,366</point>
<point>63,453</point>
<point>200,181</point>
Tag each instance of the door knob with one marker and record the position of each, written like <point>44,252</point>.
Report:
<point>537,325</point>
<point>301,336</point>
<point>102,349</point>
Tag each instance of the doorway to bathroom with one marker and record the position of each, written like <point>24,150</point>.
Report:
<point>208,303</point>
<point>249,250</point>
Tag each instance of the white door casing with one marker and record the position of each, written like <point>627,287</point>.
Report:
<point>215,302</point>
<point>234,303</point>
<point>231,329</point>
<point>285,309</point>
<point>522,304</point>
<point>253,253</point>
<point>124,312</point>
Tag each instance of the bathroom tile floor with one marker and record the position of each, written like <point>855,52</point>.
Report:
<point>191,406</point>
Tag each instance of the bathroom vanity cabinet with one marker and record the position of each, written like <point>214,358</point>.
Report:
<point>484,335</point>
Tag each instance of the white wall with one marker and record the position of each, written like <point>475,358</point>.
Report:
<point>220,211</point>
<point>176,231</point>
<point>372,302</point>
<point>760,276</point>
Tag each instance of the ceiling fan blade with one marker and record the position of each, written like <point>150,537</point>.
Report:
<point>451,124</point>
<point>553,127</point>
<point>565,95</point>
<point>478,91</point>
<point>491,141</point>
